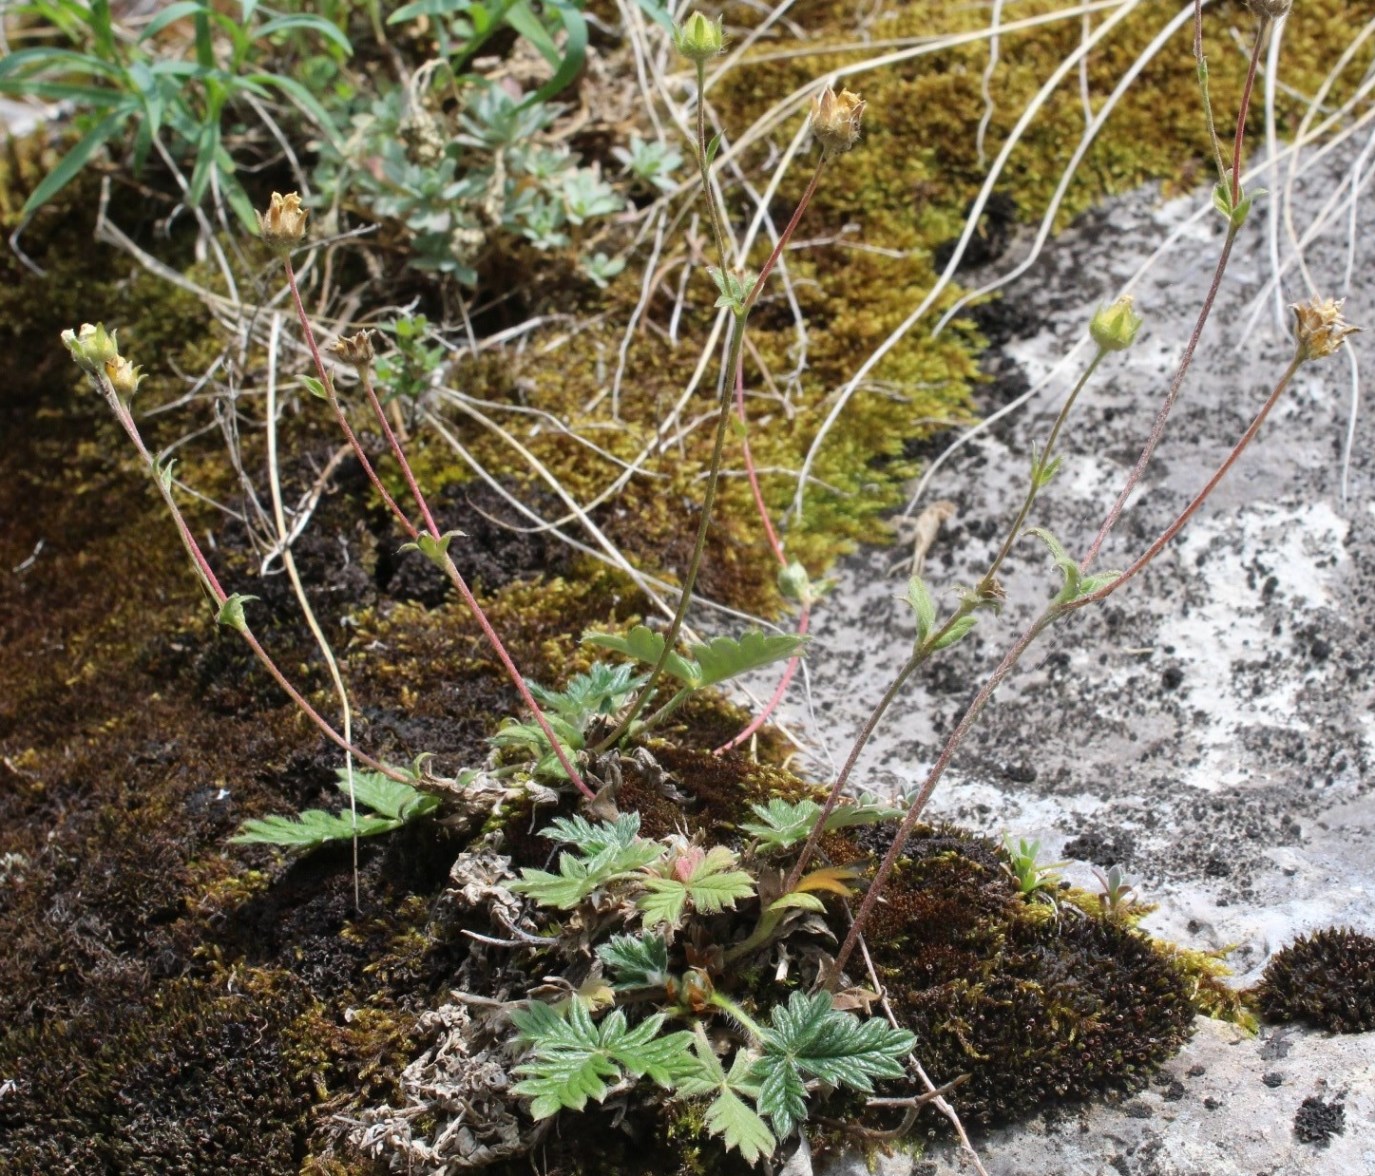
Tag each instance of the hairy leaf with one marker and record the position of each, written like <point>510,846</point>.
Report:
<point>728,1115</point>
<point>309,829</point>
<point>574,1058</point>
<point>919,597</point>
<point>602,690</point>
<point>638,961</point>
<point>583,835</point>
<point>386,796</point>
<point>712,885</point>
<point>612,851</point>
<point>784,823</point>
<point>809,1038</point>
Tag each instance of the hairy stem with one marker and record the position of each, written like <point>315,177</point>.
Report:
<point>985,590</point>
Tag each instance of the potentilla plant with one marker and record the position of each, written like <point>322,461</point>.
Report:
<point>669,923</point>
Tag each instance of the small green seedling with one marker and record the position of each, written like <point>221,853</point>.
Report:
<point>1032,878</point>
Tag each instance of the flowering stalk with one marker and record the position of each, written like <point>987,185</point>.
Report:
<point>835,124</point>
<point>117,379</point>
<point>283,228</point>
<point>1320,332</point>
<point>1114,328</point>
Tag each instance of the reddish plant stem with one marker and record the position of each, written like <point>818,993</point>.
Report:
<point>952,745</point>
<point>789,672</point>
<point>804,617</point>
<point>734,360</point>
<point>450,568</point>
<point>1186,360</point>
<point>1245,107</point>
<point>1189,511</point>
<point>1163,415</point>
<point>218,594</point>
<point>1014,654</point>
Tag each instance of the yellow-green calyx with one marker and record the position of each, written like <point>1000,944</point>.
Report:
<point>836,119</point>
<point>92,347</point>
<point>1319,327</point>
<point>699,39</point>
<point>284,223</point>
<point>1114,327</point>
<point>355,350</point>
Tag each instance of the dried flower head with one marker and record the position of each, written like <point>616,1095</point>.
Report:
<point>284,223</point>
<point>1114,327</point>
<point>92,347</point>
<point>1270,9</point>
<point>124,377</point>
<point>835,120</point>
<point>1319,327</point>
<point>355,349</point>
<point>699,39</point>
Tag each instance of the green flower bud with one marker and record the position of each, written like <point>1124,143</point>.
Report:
<point>699,39</point>
<point>1114,327</point>
<point>124,377</point>
<point>92,347</point>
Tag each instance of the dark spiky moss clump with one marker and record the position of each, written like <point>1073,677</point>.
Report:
<point>1035,1004</point>
<point>1325,979</point>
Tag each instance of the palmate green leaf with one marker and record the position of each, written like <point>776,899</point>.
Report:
<point>388,797</point>
<point>740,1126</point>
<point>643,644</point>
<point>583,835</point>
<point>711,886</point>
<point>636,961</point>
<point>782,823</point>
<point>309,829</point>
<point>723,658</point>
<point>612,852</point>
<point>602,690</point>
<point>574,1058</point>
<point>728,1115</point>
<point>809,1038</point>
<point>785,823</point>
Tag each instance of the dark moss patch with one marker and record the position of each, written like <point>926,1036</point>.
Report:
<point>192,1078</point>
<point>1035,1006</point>
<point>1326,979</point>
<point>1317,1121</point>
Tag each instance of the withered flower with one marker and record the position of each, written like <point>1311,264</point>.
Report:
<point>355,350</point>
<point>284,223</point>
<point>835,120</point>
<point>1319,327</point>
<point>124,377</point>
